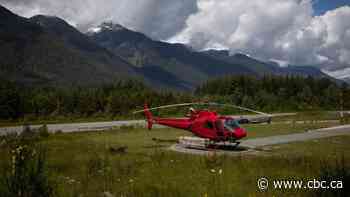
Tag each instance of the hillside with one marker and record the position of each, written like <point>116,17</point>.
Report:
<point>47,50</point>
<point>150,57</point>
<point>264,68</point>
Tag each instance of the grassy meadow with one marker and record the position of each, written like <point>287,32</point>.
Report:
<point>127,162</point>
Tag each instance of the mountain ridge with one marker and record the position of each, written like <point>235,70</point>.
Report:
<point>47,50</point>
<point>35,53</point>
<point>142,51</point>
<point>189,66</point>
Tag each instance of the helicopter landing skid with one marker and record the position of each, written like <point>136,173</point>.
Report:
<point>205,144</point>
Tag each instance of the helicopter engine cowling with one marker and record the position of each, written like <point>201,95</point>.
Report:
<point>239,133</point>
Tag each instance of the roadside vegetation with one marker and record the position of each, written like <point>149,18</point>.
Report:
<point>24,171</point>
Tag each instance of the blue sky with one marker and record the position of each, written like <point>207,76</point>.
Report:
<point>322,6</point>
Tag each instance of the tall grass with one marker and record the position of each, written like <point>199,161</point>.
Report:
<point>82,164</point>
<point>339,171</point>
<point>24,170</point>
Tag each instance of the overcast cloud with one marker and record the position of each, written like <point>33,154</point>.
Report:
<point>159,19</point>
<point>284,30</point>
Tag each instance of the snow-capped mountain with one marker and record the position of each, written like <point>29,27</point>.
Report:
<point>105,26</point>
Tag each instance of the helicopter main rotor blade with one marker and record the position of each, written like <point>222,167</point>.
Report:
<point>199,103</point>
<point>242,108</point>
<point>165,106</point>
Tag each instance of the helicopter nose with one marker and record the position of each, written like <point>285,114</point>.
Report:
<point>240,133</point>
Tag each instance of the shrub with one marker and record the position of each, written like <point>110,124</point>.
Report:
<point>337,172</point>
<point>27,131</point>
<point>58,132</point>
<point>345,119</point>
<point>43,131</point>
<point>26,174</point>
<point>127,127</point>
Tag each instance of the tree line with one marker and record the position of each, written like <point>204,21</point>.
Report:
<point>118,99</point>
<point>278,93</point>
<point>110,100</point>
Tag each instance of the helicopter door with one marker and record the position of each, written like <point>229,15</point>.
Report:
<point>219,127</point>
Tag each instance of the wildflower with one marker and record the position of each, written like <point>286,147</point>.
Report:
<point>13,164</point>
<point>33,153</point>
<point>19,149</point>
<point>13,159</point>
<point>213,170</point>
<point>107,194</point>
<point>131,180</point>
<point>71,181</point>
<point>220,171</point>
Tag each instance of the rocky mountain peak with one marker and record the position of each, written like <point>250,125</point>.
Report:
<point>106,26</point>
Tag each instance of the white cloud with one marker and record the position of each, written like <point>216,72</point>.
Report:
<point>339,74</point>
<point>272,29</point>
<point>245,25</point>
<point>159,19</point>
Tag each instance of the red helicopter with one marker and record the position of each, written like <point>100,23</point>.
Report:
<point>204,124</point>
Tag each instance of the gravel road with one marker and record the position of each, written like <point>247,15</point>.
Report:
<point>99,126</point>
<point>77,127</point>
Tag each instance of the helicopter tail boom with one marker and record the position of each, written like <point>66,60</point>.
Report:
<point>149,117</point>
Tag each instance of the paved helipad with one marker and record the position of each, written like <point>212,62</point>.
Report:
<point>251,145</point>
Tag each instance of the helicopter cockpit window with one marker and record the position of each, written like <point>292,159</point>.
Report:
<point>219,125</point>
<point>209,125</point>
<point>231,124</point>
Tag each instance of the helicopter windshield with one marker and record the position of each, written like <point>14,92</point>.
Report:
<point>219,125</point>
<point>231,124</point>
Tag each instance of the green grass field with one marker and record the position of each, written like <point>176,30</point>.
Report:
<point>88,164</point>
